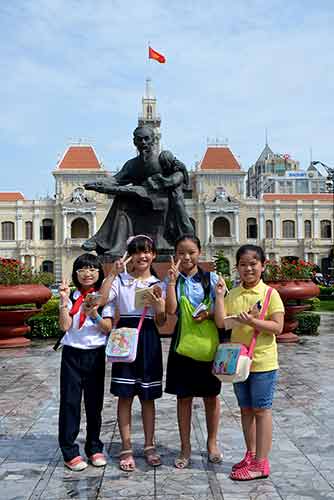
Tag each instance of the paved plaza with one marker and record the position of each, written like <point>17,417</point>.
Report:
<point>302,459</point>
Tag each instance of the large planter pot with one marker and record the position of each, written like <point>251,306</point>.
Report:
<point>292,293</point>
<point>12,321</point>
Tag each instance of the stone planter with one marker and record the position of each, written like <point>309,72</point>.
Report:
<point>292,293</point>
<point>12,321</point>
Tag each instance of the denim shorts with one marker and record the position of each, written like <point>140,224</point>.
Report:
<point>257,391</point>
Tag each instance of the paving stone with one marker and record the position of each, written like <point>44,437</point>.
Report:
<point>302,459</point>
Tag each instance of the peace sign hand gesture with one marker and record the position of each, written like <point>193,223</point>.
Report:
<point>64,291</point>
<point>173,271</point>
<point>220,286</point>
<point>119,266</point>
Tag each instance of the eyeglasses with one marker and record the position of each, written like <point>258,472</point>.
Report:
<point>87,270</point>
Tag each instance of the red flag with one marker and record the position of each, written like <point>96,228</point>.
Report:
<point>153,54</point>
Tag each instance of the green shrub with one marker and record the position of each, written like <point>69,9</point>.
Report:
<point>314,303</point>
<point>229,282</point>
<point>44,326</point>
<point>308,323</point>
<point>326,291</point>
<point>51,308</point>
<point>221,263</point>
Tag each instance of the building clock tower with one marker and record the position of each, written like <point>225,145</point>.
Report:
<point>149,114</point>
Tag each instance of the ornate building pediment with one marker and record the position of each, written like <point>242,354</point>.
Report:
<point>78,202</point>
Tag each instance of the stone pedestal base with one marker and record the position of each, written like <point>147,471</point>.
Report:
<point>287,338</point>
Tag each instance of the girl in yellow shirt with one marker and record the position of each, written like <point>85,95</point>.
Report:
<point>255,395</point>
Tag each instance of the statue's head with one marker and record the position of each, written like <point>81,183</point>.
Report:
<point>143,138</point>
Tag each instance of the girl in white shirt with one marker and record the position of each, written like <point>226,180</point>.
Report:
<point>143,377</point>
<point>83,361</point>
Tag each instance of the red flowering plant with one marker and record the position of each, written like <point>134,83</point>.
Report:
<point>13,272</point>
<point>287,270</point>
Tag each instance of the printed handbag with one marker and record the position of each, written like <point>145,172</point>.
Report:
<point>123,342</point>
<point>233,361</point>
<point>198,341</point>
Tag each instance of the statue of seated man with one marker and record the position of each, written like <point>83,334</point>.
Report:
<point>143,192</point>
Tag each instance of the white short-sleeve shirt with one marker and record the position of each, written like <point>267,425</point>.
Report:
<point>122,294</point>
<point>89,336</point>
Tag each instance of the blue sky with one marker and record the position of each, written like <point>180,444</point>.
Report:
<point>76,69</point>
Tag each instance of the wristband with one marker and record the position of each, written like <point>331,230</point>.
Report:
<point>97,319</point>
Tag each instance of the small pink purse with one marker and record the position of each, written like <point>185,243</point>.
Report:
<point>233,361</point>
<point>123,342</point>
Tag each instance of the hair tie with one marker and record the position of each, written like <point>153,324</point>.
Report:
<point>129,240</point>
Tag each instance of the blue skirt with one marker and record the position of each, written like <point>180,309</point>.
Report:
<point>143,377</point>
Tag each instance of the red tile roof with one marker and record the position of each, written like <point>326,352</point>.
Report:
<point>294,197</point>
<point>219,158</point>
<point>79,157</point>
<point>11,196</point>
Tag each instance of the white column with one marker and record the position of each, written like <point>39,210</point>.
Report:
<point>36,225</point>
<point>237,227</point>
<point>315,223</point>
<point>277,215</point>
<point>19,227</point>
<point>315,258</point>
<point>22,259</point>
<point>64,226</point>
<point>207,228</point>
<point>261,224</point>
<point>299,223</point>
<point>94,223</point>
<point>305,256</point>
<point>33,261</point>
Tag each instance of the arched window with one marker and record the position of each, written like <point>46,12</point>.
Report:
<point>47,266</point>
<point>193,223</point>
<point>221,228</point>
<point>269,228</point>
<point>8,231</point>
<point>308,229</point>
<point>79,228</point>
<point>289,229</point>
<point>325,229</point>
<point>28,230</point>
<point>251,228</point>
<point>47,229</point>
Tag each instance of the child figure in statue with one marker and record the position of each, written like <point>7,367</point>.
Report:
<point>173,179</point>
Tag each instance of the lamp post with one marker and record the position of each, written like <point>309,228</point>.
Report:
<point>330,189</point>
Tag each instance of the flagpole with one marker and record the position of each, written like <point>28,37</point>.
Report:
<point>148,56</point>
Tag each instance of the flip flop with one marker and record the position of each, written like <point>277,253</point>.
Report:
<point>151,456</point>
<point>127,464</point>
<point>215,458</point>
<point>182,462</point>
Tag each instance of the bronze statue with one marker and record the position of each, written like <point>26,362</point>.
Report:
<point>148,193</point>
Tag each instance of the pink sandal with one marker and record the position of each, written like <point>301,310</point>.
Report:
<point>247,460</point>
<point>126,461</point>
<point>151,456</point>
<point>258,469</point>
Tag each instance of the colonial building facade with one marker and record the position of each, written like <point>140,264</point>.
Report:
<point>48,233</point>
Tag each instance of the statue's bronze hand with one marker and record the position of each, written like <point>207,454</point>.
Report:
<point>93,186</point>
<point>101,186</point>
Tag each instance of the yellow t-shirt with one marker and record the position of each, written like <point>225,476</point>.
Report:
<point>243,299</point>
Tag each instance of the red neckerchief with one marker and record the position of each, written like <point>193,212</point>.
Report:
<point>77,304</point>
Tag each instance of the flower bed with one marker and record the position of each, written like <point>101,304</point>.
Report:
<point>288,270</point>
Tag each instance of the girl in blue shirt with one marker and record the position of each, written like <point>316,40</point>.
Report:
<point>186,377</point>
